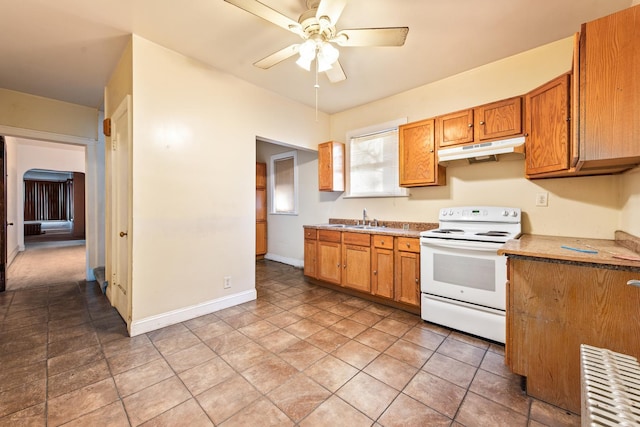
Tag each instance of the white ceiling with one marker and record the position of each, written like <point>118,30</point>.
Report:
<point>66,49</point>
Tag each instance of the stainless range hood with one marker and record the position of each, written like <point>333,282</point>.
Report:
<point>485,151</point>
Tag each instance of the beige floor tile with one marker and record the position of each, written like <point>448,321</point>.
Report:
<point>461,351</point>
<point>23,343</point>
<point>203,377</point>
<point>376,339</point>
<point>241,319</point>
<point>10,378</point>
<point>407,412</point>
<point>424,338</point>
<point>356,354</point>
<point>327,340</point>
<point>331,372</point>
<point>336,412</point>
<point>227,398</point>
<point>225,343</point>
<point>176,342</point>
<point>368,395</point>
<point>190,357</point>
<point>391,371</point>
<point>143,376</point>
<point>325,318</point>
<point>22,396</point>
<point>284,319</point>
<point>409,352</point>
<point>211,330</point>
<point>494,363</point>
<point>299,396</point>
<point>153,401</point>
<point>112,415</point>
<point>124,361</point>
<point>258,329</point>
<point>392,327</point>
<point>505,391</point>
<point>188,413</point>
<point>82,376</point>
<point>304,310</point>
<point>552,415</point>
<point>277,341</point>
<point>246,356</point>
<point>23,358</point>
<point>260,413</point>
<point>479,411</point>
<point>303,328</point>
<point>32,416</point>
<point>269,374</point>
<point>201,321</point>
<point>347,327</point>
<point>436,393</point>
<point>450,369</point>
<point>302,355</point>
<point>366,317</point>
<point>127,344</point>
<point>82,401</point>
<point>342,309</point>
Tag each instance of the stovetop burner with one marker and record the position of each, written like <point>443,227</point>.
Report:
<point>493,233</point>
<point>448,230</point>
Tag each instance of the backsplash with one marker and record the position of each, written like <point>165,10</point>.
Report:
<point>413,226</point>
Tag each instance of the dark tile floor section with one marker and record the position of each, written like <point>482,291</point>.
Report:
<point>299,355</point>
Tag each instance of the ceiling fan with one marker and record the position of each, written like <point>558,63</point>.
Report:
<point>317,27</point>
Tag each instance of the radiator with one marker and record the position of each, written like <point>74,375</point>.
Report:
<point>610,388</point>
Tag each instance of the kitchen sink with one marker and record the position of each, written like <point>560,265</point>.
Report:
<point>367,227</point>
<point>337,225</point>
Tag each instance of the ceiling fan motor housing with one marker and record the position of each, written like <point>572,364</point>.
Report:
<point>312,25</point>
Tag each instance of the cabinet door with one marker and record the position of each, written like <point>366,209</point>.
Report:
<point>310,257</point>
<point>499,119</point>
<point>547,127</point>
<point>329,261</point>
<point>261,204</point>
<point>331,166</point>
<point>417,155</point>
<point>610,90</point>
<point>407,286</point>
<point>382,272</point>
<point>455,128</point>
<point>261,238</point>
<point>357,267</point>
<point>261,175</point>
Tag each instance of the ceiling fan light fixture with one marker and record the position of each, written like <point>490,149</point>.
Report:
<point>304,63</point>
<point>308,49</point>
<point>328,54</point>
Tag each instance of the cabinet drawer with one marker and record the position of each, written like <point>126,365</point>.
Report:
<point>356,239</point>
<point>310,233</point>
<point>408,244</point>
<point>383,241</point>
<point>329,235</point>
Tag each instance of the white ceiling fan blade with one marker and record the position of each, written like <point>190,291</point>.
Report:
<point>277,57</point>
<point>331,8</point>
<point>336,74</point>
<point>265,12</point>
<point>392,36</point>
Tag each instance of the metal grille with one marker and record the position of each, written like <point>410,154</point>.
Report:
<point>610,388</point>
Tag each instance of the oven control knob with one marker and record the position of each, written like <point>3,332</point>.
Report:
<point>451,212</point>
<point>514,213</point>
<point>505,213</point>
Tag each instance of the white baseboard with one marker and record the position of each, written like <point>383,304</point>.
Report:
<point>290,261</point>
<point>152,323</point>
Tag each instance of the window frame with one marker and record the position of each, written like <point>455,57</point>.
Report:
<point>275,158</point>
<point>370,130</point>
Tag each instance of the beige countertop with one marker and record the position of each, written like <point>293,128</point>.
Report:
<point>551,248</point>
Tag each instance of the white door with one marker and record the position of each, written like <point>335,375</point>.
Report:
<point>121,136</point>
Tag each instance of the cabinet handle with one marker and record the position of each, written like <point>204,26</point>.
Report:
<point>526,135</point>
<point>338,265</point>
<point>382,242</point>
<point>408,245</point>
<point>375,272</point>
<point>344,266</point>
<point>417,280</point>
<point>470,125</point>
<point>634,283</point>
<point>122,234</point>
<point>482,122</point>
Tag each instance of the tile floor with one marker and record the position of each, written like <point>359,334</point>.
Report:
<point>299,355</point>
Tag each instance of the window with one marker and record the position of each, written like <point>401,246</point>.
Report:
<point>373,161</point>
<point>284,183</point>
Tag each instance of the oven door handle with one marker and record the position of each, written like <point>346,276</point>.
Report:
<point>462,244</point>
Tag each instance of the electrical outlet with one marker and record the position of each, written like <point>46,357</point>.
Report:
<point>542,199</point>
<point>227,282</point>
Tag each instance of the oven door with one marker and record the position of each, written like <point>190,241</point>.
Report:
<point>466,271</point>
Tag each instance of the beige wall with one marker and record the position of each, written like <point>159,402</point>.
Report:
<point>24,111</point>
<point>121,81</point>
<point>630,197</point>
<point>586,206</point>
<point>194,151</point>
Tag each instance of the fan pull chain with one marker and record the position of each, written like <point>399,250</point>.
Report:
<point>316,86</point>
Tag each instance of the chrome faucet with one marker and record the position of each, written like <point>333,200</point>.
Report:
<point>364,216</point>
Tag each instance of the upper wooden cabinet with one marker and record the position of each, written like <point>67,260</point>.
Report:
<point>417,155</point>
<point>547,128</point>
<point>610,91</point>
<point>331,166</point>
<point>261,210</point>
<point>499,119</point>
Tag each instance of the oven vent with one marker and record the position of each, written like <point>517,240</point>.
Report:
<point>610,387</point>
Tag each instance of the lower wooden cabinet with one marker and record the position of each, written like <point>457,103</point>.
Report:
<point>310,252</point>
<point>552,308</point>
<point>407,271</point>
<point>329,256</point>
<point>382,263</point>
<point>356,261</point>
<point>383,266</point>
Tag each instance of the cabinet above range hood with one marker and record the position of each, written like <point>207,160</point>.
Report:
<point>485,151</point>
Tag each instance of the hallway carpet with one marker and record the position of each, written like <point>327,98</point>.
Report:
<point>48,264</point>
